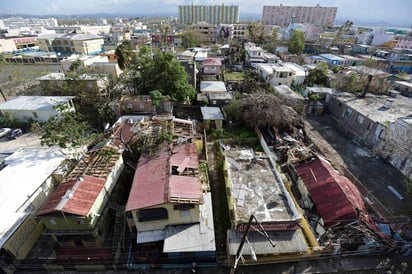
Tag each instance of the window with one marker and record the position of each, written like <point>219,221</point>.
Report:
<point>347,112</point>
<point>152,214</point>
<point>53,222</point>
<point>185,213</point>
<point>360,119</point>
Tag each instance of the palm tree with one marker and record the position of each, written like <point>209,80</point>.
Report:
<point>124,54</point>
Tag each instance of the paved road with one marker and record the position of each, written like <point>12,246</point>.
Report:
<point>372,172</point>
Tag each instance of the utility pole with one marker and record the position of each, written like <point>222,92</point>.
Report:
<point>244,238</point>
<point>2,94</point>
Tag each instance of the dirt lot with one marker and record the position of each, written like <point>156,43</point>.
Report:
<point>19,79</point>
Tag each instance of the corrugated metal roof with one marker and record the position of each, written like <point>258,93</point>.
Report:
<point>74,197</point>
<point>185,156</point>
<point>150,181</point>
<point>153,184</point>
<point>185,189</point>
<point>334,195</point>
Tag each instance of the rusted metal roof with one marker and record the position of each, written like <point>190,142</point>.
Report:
<point>150,181</point>
<point>74,197</point>
<point>153,183</point>
<point>336,198</point>
<point>185,156</point>
<point>184,189</point>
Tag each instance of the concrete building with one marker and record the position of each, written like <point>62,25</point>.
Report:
<point>168,204</point>
<point>255,189</point>
<point>379,122</point>
<point>282,15</point>
<point>36,108</point>
<point>67,44</point>
<point>291,98</point>
<point>29,176</point>
<point>333,60</point>
<point>217,14</point>
<point>275,74</point>
<point>7,45</point>
<point>404,42</point>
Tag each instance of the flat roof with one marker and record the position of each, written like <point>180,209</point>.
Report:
<point>34,102</point>
<point>212,86</point>
<point>193,237</point>
<point>287,93</point>
<point>212,113</point>
<point>331,57</point>
<point>256,188</point>
<point>288,241</point>
<point>27,169</point>
<point>373,106</point>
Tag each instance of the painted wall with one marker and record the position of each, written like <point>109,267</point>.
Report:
<point>174,218</point>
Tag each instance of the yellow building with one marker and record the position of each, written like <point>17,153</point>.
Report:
<point>27,179</point>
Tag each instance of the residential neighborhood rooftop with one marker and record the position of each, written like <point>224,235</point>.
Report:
<point>381,109</point>
<point>26,170</point>
<point>256,189</point>
<point>193,237</point>
<point>34,102</point>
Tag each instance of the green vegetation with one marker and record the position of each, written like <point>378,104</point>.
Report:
<point>69,130</point>
<point>318,76</point>
<point>163,73</point>
<point>296,42</point>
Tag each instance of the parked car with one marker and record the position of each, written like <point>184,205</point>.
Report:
<point>4,131</point>
<point>14,133</point>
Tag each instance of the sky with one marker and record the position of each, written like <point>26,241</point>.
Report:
<point>395,12</point>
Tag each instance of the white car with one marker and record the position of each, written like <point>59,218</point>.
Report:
<point>4,131</point>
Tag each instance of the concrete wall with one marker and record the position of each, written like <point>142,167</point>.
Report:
<point>173,218</point>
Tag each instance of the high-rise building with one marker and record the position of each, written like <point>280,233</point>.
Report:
<point>282,15</point>
<point>217,14</point>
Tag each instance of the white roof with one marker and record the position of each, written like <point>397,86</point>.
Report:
<point>193,237</point>
<point>212,113</point>
<point>299,70</point>
<point>27,169</point>
<point>34,102</point>
<point>213,86</point>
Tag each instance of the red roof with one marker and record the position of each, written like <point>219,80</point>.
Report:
<point>212,62</point>
<point>153,184</point>
<point>184,187</point>
<point>150,181</point>
<point>74,197</point>
<point>121,135</point>
<point>185,156</point>
<point>334,195</point>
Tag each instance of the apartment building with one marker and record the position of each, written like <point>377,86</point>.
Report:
<point>189,14</point>
<point>281,15</point>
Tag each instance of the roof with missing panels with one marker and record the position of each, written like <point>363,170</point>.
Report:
<point>153,183</point>
<point>74,197</point>
<point>77,194</point>
<point>256,190</point>
<point>334,195</point>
